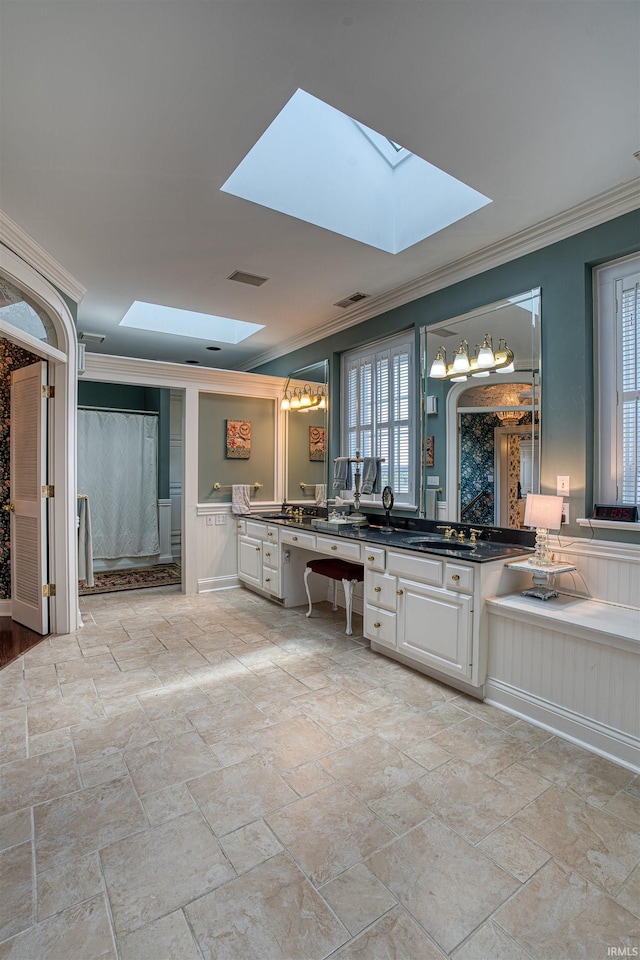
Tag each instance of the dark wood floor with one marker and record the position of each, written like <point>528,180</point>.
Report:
<point>15,640</point>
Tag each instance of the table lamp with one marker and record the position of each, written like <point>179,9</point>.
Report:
<point>544,513</point>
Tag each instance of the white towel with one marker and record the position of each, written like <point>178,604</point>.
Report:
<point>321,494</point>
<point>240,498</point>
<point>430,504</point>
<point>85,543</point>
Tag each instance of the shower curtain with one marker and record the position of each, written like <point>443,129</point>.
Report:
<point>118,469</point>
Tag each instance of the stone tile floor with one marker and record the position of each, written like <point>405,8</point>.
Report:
<point>215,777</point>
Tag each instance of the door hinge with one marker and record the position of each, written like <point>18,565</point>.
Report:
<point>49,590</point>
<point>48,391</point>
<point>48,491</point>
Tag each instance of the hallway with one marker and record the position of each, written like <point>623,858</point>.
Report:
<point>217,777</point>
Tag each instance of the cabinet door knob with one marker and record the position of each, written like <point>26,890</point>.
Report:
<point>377,589</point>
<point>257,549</point>
<point>333,546</point>
<point>267,554</point>
<point>269,533</point>
<point>239,526</point>
<point>294,539</point>
<point>399,592</point>
<point>267,579</point>
<point>456,576</point>
<point>377,625</point>
<point>370,559</point>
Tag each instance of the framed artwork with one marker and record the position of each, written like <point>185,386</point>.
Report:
<point>429,452</point>
<point>238,439</point>
<point>316,443</point>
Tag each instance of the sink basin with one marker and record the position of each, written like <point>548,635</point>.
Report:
<point>426,544</point>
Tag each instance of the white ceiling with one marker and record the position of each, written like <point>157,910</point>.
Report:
<point>121,119</point>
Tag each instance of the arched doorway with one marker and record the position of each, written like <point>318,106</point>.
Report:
<point>55,343</point>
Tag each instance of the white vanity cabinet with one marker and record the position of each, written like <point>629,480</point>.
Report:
<point>435,627</point>
<point>259,555</point>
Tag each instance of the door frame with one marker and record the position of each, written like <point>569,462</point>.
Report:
<point>61,428</point>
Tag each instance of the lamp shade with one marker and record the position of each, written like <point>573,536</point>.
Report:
<point>541,511</point>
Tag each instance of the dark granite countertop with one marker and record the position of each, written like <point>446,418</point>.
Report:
<point>421,536</point>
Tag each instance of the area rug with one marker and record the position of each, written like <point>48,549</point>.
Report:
<point>133,578</point>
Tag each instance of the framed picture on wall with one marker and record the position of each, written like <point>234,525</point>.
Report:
<point>238,436</point>
<point>429,452</point>
<point>316,443</point>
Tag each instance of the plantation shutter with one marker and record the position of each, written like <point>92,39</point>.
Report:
<point>628,301</point>
<point>378,407</point>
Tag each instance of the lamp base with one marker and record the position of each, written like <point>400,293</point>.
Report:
<point>540,593</point>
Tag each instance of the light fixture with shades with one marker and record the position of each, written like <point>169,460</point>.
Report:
<point>544,513</point>
<point>486,360</point>
<point>304,398</point>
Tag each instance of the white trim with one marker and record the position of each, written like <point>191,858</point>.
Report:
<point>613,744</point>
<point>30,343</point>
<point>32,253</point>
<point>604,549</point>
<point>210,584</point>
<point>607,524</point>
<point>5,608</point>
<point>164,531</point>
<point>606,206</point>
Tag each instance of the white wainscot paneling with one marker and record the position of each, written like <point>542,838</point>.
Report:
<point>605,570</point>
<point>164,531</point>
<point>217,551</point>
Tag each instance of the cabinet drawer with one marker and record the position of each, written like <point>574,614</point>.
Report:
<point>373,557</point>
<point>457,577</point>
<point>416,567</point>
<point>263,531</point>
<point>242,527</point>
<point>380,625</point>
<point>271,581</point>
<point>298,538</point>
<point>271,555</point>
<point>346,549</point>
<point>380,589</point>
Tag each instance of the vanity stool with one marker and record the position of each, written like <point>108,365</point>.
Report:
<point>349,573</point>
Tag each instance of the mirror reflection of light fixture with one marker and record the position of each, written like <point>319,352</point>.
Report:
<point>304,398</point>
<point>544,513</point>
<point>510,416</point>
<point>486,360</point>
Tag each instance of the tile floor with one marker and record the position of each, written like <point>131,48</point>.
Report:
<point>215,777</point>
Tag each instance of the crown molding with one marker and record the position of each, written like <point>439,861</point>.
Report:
<point>605,206</point>
<point>16,239</point>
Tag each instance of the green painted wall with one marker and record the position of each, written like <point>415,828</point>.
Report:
<point>123,396</point>
<point>213,466</point>
<point>299,468</point>
<point>563,270</point>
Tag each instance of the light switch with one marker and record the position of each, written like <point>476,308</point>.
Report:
<point>562,486</point>
<point>433,481</point>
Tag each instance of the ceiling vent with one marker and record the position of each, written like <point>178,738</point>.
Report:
<point>92,337</point>
<point>349,301</point>
<point>250,278</point>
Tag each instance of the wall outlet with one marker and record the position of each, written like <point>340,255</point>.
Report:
<point>433,481</point>
<point>209,520</point>
<point>563,487</point>
<point>221,519</point>
<point>565,512</point>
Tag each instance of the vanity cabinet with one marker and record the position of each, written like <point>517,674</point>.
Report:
<point>250,560</point>
<point>259,556</point>
<point>435,627</point>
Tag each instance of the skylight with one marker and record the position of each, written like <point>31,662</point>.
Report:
<point>186,323</point>
<point>317,164</point>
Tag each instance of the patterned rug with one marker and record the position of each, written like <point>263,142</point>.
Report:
<point>133,578</point>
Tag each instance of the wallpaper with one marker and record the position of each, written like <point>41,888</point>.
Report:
<point>12,357</point>
<point>476,466</point>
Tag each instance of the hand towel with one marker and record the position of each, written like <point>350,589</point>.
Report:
<point>321,494</point>
<point>342,479</point>
<point>430,504</point>
<point>240,498</point>
<point>370,475</point>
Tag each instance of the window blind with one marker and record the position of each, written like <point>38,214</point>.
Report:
<point>377,410</point>
<point>628,303</point>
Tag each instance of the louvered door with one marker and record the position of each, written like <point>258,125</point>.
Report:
<point>28,506</point>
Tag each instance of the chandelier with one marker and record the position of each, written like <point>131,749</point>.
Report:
<point>304,398</point>
<point>485,360</point>
<point>510,416</point>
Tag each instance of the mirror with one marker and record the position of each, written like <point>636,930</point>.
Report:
<point>307,433</point>
<point>480,413</point>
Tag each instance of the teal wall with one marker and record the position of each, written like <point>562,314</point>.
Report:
<point>563,272</point>
<point>214,467</point>
<point>123,396</point>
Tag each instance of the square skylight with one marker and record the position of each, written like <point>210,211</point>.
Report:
<point>187,323</point>
<point>317,164</point>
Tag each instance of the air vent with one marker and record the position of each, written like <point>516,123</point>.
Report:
<point>92,337</point>
<point>250,278</point>
<point>349,301</point>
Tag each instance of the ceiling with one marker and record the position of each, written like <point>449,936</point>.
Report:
<point>121,119</point>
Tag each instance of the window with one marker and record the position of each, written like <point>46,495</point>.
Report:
<point>378,410</point>
<point>617,338</point>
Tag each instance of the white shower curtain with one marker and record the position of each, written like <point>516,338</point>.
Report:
<point>118,469</point>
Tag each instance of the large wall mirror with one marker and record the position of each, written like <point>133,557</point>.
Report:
<point>306,400</point>
<point>480,413</point>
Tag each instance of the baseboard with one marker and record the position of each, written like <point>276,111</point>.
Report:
<point>166,558</point>
<point>208,584</point>
<point>615,745</point>
<point>5,608</point>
